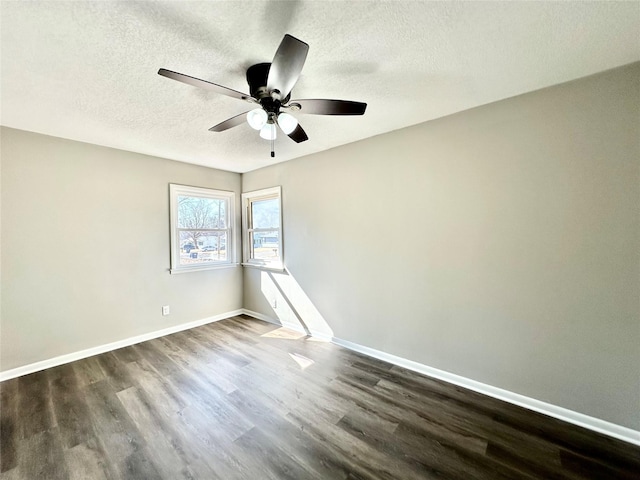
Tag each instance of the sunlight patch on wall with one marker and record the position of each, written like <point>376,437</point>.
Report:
<point>291,304</point>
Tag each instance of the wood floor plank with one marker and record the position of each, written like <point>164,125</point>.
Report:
<point>240,399</point>
<point>229,421</point>
<point>432,402</point>
<point>13,474</point>
<point>186,431</point>
<point>448,430</point>
<point>237,332</point>
<point>186,355</point>
<point>117,434</point>
<point>163,364</point>
<point>166,399</point>
<point>88,371</point>
<point>571,438</point>
<point>69,406</point>
<point>215,456</point>
<point>165,449</point>
<point>577,466</point>
<point>272,459</point>
<point>439,426</point>
<point>530,463</point>
<point>220,347</point>
<point>41,456</point>
<point>35,404</point>
<point>249,325</point>
<point>368,461</point>
<point>116,371</point>
<point>86,461</point>
<point>127,354</point>
<point>139,465</point>
<point>304,398</point>
<point>450,460</point>
<point>374,424</point>
<point>193,350</point>
<point>9,425</point>
<point>283,433</point>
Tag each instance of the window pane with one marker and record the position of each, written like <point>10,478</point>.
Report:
<point>197,247</point>
<point>201,212</point>
<point>265,245</point>
<point>266,213</point>
<point>262,228</point>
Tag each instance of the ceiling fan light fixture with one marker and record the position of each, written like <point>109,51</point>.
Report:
<point>257,118</point>
<point>268,132</point>
<point>287,122</point>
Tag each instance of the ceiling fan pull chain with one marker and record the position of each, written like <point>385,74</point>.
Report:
<point>273,153</point>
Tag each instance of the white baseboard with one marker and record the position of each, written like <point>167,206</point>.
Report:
<point>570,416</point>
<point>89,352</point>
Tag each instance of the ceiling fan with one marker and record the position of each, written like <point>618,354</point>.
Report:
<point>270,86</point>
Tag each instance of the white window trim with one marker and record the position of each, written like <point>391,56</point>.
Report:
<point>247,198</point>
<point>174,191</point>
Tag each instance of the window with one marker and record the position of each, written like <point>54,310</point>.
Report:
<point>201,232</point>
<point>262,222</point>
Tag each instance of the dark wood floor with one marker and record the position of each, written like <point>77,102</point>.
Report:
<point>241,399</point>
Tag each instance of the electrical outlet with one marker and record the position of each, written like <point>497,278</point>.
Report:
<point>166,310</point>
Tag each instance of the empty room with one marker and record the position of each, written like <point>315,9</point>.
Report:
<point>348,240</point>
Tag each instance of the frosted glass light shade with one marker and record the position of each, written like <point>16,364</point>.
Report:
<point>257,118</point>
<point>268,132</point>
<point>288,123</point>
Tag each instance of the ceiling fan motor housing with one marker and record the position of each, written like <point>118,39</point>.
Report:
<point>257,79</point>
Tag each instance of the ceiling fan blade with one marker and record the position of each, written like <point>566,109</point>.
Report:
<point>330,107</point>
<point>196,82</point>
<point>230,123</point>
<point>298,135</point>
<point>287,65</point>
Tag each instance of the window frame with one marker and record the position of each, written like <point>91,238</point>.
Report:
<point>247,228</point>
<point>176,190</point>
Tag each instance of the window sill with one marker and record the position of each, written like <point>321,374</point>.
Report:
<point>270,268</point>
<point>175,271</point>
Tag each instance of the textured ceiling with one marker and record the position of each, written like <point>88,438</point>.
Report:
<point>87,70</point>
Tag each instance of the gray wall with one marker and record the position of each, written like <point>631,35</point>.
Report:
<point>85,248</point>
<point>500,243</point>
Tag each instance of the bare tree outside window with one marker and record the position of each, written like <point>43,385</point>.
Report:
<point>200,227</point>
<point>198,216</point>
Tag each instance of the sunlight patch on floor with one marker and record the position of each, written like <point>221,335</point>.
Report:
<point>285,333</point>
<point>304,362</point>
